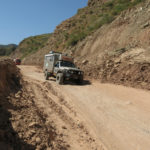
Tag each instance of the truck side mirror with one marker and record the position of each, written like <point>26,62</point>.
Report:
<point>56,65</point>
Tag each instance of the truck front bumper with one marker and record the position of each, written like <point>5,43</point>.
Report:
<point>73,76</point>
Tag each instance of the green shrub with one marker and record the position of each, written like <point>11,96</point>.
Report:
<point>33,44</point>
<point>89,19</point>
<point>74,38</point>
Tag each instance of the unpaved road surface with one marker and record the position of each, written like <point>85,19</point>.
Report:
<point>94,113</point>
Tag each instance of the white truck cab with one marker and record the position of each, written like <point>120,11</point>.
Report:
<point>62,67</point>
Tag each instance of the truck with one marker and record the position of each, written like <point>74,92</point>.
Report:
<point>17,61</point>
<point>61,67</point>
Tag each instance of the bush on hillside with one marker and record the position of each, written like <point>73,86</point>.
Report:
<point>91,19</point>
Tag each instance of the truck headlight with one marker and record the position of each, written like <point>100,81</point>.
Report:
<point>80,72</point>
<point>70,71</point>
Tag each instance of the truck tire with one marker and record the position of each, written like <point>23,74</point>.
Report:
<point>46,75</point>
<point>80,81</point>
<point>60,78</point>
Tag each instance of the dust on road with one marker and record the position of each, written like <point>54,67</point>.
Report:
<point>92,114</point>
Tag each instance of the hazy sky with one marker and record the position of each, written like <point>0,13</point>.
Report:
<point>23,18</point>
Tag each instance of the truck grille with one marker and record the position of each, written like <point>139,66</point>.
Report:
<point>74,72</point>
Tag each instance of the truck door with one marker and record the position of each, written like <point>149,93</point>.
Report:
<point>56,68</point>
<point>49,63</point>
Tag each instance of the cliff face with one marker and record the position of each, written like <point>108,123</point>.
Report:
<point>105,37</point>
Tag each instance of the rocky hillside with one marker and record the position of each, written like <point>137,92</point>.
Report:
<point>6,50</point>
<point>71,32</point>
<point>109,40</point>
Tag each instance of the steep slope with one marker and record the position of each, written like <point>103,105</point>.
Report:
<point>87,20</point>
<point>109,40</point>
<point>30,45</point>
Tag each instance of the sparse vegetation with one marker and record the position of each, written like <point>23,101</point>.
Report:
<point>84,23</point>
<point>33,44</point>
<point>89,20</point>
<point>74,38</point>
<point>6,50</point>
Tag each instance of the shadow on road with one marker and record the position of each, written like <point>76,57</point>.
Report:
<point>85,82</point>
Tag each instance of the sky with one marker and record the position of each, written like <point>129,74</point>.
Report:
<point>20,19</point>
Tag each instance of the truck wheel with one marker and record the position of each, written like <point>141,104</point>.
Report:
<point>46,75</point>
<point>60,78</point>
<point>80,81</point>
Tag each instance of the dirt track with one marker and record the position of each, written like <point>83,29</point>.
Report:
<point>88,115</point>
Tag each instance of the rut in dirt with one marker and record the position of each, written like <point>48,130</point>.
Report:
<point>113,113</point>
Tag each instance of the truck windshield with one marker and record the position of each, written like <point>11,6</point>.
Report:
<point>67,64</point>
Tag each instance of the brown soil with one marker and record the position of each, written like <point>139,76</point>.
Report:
<point>122,69</point>
<point>9,77</point>
<point>35,117</point>
<point>70,131</point>
<point>87,116</point>
<point>118,52</point>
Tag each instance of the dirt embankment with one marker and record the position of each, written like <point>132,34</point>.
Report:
<point>9,82</point>
<point>22,125</point>
<point>9,77</point>
<point>119,52</point>
<point>125,67</point>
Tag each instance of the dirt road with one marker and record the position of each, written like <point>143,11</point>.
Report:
<point>94,113</point>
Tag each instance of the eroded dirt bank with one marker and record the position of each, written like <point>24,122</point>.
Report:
<point>125,67</point>
<point>9,83</point>
<point>9,77</point>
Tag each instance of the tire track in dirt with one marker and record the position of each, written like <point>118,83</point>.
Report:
<point>116,115</point>
<point>58,112</point>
